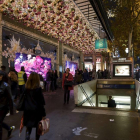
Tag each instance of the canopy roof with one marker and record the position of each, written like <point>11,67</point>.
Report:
<point>61,19</point>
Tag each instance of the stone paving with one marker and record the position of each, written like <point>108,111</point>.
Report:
<point>68,122</point>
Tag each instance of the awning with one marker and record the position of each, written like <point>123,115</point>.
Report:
<point>94,12</point>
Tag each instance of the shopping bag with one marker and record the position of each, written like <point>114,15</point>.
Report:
<point>43,126</point>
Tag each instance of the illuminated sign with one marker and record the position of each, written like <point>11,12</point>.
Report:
<point>101,44</point>
<point>114,86</point>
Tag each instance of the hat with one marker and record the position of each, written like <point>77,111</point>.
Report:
<point>1,72</point>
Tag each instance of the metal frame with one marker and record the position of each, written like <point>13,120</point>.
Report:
<point>91,9</point>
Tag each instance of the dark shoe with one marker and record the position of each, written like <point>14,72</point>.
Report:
<point>10,131</point>
<point>27,136</point>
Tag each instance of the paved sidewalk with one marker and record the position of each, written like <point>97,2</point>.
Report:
<point>68,123</point>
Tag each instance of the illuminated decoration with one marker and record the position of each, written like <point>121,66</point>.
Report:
<point>60,19</point>
<point>72,66</point>
<point>10,53</point>
<point>65,58</point>
<point>32,63</point>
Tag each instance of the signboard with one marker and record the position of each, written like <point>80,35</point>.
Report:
<point>111,86</point>
<point>101,44</point>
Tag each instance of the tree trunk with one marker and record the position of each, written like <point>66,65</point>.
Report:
<point>130,43</point>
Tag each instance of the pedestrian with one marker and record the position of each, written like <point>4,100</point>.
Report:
<point>55,79</point>
<point>67,77</point>
<point>48,80</point>
<point>14,84</point>
<point>34,110</point>
<point>22,78</point>
<point>105,74</point>
<point>99,74</point>
<point>6,104</point>
<point>78,77</point>
<point>111,102</point>
<point>5,77</point>
<point>85,75</point>
<point>90,75</point>
<point>94,74</point>
<point>52,80</point>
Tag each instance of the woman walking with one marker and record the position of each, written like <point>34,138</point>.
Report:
<point>14,83</point>
<point>34,110</point>
<point>67,77</point>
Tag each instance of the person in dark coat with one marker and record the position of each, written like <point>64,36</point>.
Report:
<point>48,80</point>
<point>55,79</point>
<point>14,84</point>
<point>111,102</point>
<point>52,80</point>
<point>85,75</point>
<point>5,76</point>
<point>6,104</point>
<point>33,115</point>
<point>67,77</point>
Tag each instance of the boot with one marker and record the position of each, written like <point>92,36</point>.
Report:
<point>27,136</point>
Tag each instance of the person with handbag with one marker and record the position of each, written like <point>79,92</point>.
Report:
<point>67,84</point>
<point>34,110</point>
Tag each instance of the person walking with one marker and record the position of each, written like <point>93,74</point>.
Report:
<point>78,77</point>
<point>111,102</point>
<point>55,79</point>
<point>34,110</point>
<point>48,80</point>
<point>5,78</point>
<point>85,75</point>
<point>67,77</point>
<point>52,80</point>
<point>90,75</point>
<point>94,74</point>
<point>6,104</point>
<point>14,84</point>
<point>22,78</point>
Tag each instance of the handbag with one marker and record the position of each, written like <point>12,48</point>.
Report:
<point>21,103</point>
<point>43,126</point>
<point>68,83</point>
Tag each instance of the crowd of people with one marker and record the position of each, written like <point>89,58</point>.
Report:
<point>84,76</point>
<point>13,85</point>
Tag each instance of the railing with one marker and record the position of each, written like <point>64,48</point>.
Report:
<point>88,98</point>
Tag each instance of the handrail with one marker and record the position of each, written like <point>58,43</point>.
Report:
<point>87,98</point>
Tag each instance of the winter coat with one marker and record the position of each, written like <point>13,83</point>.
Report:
<point>32,117</point>
<point>70,78</point>
<point>85,76</point>
<point>78,78</point>
<point>48,76</point>
<point>5,97</point>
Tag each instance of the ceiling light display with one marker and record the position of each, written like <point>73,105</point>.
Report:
<point>57,18</point>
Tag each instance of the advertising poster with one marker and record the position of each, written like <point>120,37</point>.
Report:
<point>122,70</point>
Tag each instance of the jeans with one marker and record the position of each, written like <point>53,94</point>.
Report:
<point>48,84</point>
<point>28,132</point>
<point>3,113</point>
<point>13,98</point>
<point>66,94</point>
<point>21,88</point>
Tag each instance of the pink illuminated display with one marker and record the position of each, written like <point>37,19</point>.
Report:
<point>32,63</point>
<point>72,66</point>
